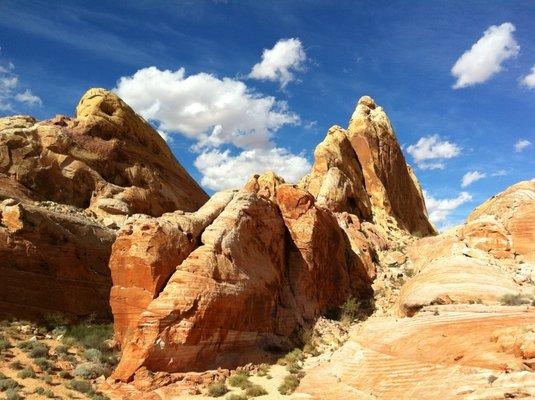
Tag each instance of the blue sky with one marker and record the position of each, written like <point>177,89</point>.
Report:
<point>225,118</point>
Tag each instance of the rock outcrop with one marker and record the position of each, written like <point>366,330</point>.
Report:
<point>269,264</point>
<point>67,184</point>
<point>265,264</point>
<point>489,256</point>
<point>393,189</point>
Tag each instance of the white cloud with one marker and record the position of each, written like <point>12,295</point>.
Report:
<point>216,113</point>
<point>486,56</point>
<point>432,148</point>
<point>522,144</point>
<point>221,170</point>
<point>9,82</point>
<point>278,63</point>
<point>440,209</point>
<point>202,107</point>
<point>529,79</point>
<point>471,177</point>
<point>27,97</point>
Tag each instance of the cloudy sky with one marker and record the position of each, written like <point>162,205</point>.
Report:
<point>240,87</point>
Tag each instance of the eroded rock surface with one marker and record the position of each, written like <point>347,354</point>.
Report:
<point>68,183</point>
<point>268,265</point>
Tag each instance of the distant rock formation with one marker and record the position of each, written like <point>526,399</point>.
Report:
<point>67,184</point>
<point>491,255</point>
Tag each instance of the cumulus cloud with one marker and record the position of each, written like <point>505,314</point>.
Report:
<point>485,57</point>
<point>529,79</point>
<point>9,83</point>
<point>221,170</point>
<point>203,107</point>
<point>218,114</point>
<point>430,149</point>
<point>471,177</point>
<point>521,145</point>
<point>278,63</point>
<point>440,209</point>
<point>27,97</point>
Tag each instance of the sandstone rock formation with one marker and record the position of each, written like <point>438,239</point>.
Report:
<point>489,256</point>
<point>452,353</point>
<point>261,264</point>
<point>270,263</point>
<point>394,191</point>
<point>66,182</point>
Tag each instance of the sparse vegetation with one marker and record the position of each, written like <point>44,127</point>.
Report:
<point>79,386</point>
<point>409,272</point>
<point>90,370</point>
<point>235,396</point>
<point>44,364</point>
<point>255,391</point>
<point>13,394</point>
<point>511,299</point>
<point>93,355</point>
<point>239,379</point>
<point>89,335</point>
<point>64,375</point>
<point>475,301</point>
<point>491,379</point>
<point>8,383</point>
<point>217,389</point>
<point>38,350</point>
<point>4,344</point>
<point>263,370</point>
<point>349,310</point>
<point>39,390</point>
<point>289,384</point>
<point>16,365</point>
<point>292,357</point>
<point>26,373</point>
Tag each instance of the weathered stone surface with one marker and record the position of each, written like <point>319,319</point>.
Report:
<point>269,264</point>
<point>393,190</point>
<point>67,182</point>
<point>336,179</point>
<point>147,252</point>
<point>52,260</point>
<point>107,159</point>
<point>455,279</point>
<point>447,354</point>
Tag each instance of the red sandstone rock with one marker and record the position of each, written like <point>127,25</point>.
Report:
<point>67,180</point>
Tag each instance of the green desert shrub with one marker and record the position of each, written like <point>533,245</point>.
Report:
<point>99,396</point>
<point>8,383</point>
<point>93,355</point>
<point>49,393</point>
<point>255,390</point>
<point>43,363</point>
<point>80,386</point>
<point>263,370</point>
<point>511,299</point>
<point>38,350</point>
<point>4,343</point>
<point>26,373</point>
<point>217,389</point>
<point>62,349</point>
<point>13,394</point>
<point>39,390</point>
<point>89,335</point>
<point>16,365</point>
<point>289,384</point>
<point>292,357</point>
<point>65,375</point>
<point>55,320</point>
<point>235,396</point>
<point>239,379</point>
<point>90,370</point>
<point>349,310</point>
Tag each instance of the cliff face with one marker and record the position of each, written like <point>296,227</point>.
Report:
<point>253,267</point>
<point>67,184</point>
